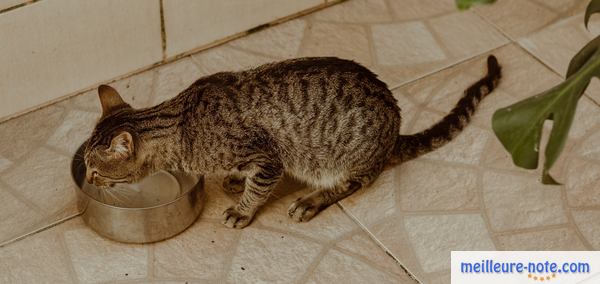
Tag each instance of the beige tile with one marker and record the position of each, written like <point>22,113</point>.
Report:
<point>16,217</point>
<point>52,189</point>
<point>39,258</point>
<point>517,202</point>
<point>336,267</point>
<point>266,256</point>
<point>136,90</point>
<point>328,225</point>
<point>332,39</point>
<point>581,185</point>
<point>515,17</point>
<point>225,58</point>
<point>589,148</point>
<point>62,57</point>
<point>574,6</point>
<point>405,44</point>
<point>24,134</point>
<point>432,250</point>
<point>199,252</point>
<point>554,239</point>
<point>173,78</point>
<point>449,188</point>
<point>4,164</point>
<point>587,222</point>
<point>382,192</point>
<point>466,148</point>
<point>556,44</point>
<point>96,259</point>
<point>190,24</point>
<point>587,117</point>
<point>75,129</point>
<point>466,34</point>
<point>418,9</point>
<point>357,11</point>
<point>5,4</point>
<point>281,41</point>
<point>362,245</point>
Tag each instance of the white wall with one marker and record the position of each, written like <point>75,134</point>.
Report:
<point>53,48</point>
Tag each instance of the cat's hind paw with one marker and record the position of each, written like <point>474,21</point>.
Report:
<point>233,219</point>
<point>302,210</point>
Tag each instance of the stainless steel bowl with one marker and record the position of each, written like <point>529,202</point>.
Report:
<point>157,208</point>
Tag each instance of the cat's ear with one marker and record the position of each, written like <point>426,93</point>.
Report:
<point>121,146</point>
<point>110,99</point>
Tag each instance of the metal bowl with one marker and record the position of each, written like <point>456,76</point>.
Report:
<point>157,208</point>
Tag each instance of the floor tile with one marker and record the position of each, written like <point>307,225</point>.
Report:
<point>40,258</point>
<point>75,129</point>
<point>516,202</point>
<point>432,251</point>
<point>173,78</point>
<point>201,252</point>
<point>553,239</point>
<point>450,188</point>
<point>333,39</point>
<point>556,44</point>
<point>587,222</point>
<point>227,59</point>
<point>365,11</point>
<point>514,17</point>
<point>17,217</point>
<point>418,9</point>
<point>96,259</point>
<point>266,256</point>
<point>52,189</point>
<point>406,44</point>
<point>281,41</point>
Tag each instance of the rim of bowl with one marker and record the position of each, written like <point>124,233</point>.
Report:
<point>184,194</point>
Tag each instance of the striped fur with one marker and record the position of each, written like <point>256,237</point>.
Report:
<point>411,146</point>
<point>325,121</point>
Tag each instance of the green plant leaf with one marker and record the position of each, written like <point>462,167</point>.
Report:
<point>466,4</point>
<point>519,126</point>
<point>593,7</point>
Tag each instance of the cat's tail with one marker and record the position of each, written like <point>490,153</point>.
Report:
<point>411,146</point>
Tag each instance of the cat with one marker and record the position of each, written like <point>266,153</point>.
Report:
<point>326,121</point>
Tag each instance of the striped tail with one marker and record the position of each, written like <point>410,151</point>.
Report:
<point>411,146</point>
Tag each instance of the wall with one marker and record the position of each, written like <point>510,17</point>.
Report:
<point>50,49</point>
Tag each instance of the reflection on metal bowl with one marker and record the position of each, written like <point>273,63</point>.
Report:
<point>158,207</point>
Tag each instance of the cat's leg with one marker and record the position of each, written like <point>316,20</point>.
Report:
<point>306,207</point>
<point>261,178</point>
<point>234,183</point>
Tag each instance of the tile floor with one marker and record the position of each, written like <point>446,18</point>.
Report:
<point>409,219</point>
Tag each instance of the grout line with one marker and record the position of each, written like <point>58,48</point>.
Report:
<point>26,3</point>
<point>66,251</point>
<point>378,242</point>
<point>51,225</point>
<point>450,65</point>
<point>170,59</point>
<point>233,249</point>
<point>163,32</point>
<point>518,44</point>
<point>314,263</point>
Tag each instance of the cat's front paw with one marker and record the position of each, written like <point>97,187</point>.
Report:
<point>234,219</point>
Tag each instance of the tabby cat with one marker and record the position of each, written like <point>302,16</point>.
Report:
<point>326,121</point>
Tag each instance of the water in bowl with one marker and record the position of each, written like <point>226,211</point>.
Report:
<point>159,188</point>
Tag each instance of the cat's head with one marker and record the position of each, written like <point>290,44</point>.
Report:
<point>113,153</point>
